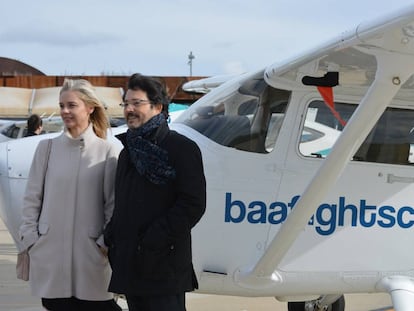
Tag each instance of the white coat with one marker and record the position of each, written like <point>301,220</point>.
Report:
<point>65,259</point>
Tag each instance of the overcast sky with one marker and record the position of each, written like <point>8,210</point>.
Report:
<point>155,37</point>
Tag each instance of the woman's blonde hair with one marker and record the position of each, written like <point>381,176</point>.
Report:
<point>87,94</point>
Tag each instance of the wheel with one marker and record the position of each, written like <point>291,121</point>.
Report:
<point>338,305</point>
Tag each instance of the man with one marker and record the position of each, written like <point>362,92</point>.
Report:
<point>34,125</point>
<point>160,195</point>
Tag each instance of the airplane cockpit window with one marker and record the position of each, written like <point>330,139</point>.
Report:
<point>390,141</point>
<point>248,119</point>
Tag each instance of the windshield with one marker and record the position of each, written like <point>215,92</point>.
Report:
<point>247,117</point>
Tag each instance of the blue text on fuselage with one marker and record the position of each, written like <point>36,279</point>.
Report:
<point>327,218</point>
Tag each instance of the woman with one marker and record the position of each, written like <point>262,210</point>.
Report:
<point>69,269</point>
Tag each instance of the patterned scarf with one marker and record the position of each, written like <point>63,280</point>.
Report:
<point>149,159</point>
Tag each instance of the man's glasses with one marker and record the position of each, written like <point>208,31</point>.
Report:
<point>135,103</point>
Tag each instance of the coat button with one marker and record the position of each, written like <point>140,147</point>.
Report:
<point>172,247</point>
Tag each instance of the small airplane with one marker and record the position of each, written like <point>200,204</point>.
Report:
<point>17,128</point>
<point>309,168</point>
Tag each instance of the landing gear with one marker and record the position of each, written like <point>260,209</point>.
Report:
<point>318,305</point>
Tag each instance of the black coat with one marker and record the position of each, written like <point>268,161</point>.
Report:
<point>149,235</point>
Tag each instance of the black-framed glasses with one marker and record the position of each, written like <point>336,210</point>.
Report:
<point>135,103</point>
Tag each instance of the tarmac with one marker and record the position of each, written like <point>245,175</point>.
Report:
<point>15,294</point>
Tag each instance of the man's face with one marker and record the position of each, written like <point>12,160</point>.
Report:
<point>139,109</point>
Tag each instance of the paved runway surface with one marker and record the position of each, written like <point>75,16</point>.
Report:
<point>15,294</point>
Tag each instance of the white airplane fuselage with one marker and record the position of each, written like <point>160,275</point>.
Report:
<point>350,244</point>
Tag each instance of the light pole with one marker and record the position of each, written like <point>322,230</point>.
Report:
<point>190,62</point>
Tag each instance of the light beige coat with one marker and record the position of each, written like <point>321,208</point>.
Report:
<point>78,203</point>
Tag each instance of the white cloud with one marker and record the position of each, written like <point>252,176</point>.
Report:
<point>155,37</point>
<point>55,35</point>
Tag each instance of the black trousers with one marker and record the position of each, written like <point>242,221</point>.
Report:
<point>73,303</point>
<point>156,303</point>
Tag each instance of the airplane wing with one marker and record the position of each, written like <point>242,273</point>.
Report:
<point>207,84</point>
<point>375,59</point>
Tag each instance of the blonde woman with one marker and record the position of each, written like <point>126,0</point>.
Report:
<point>63,219</point>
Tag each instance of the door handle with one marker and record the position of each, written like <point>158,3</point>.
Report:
<point>391,178</point>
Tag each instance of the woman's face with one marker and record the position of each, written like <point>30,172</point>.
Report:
<point>74,112</point>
